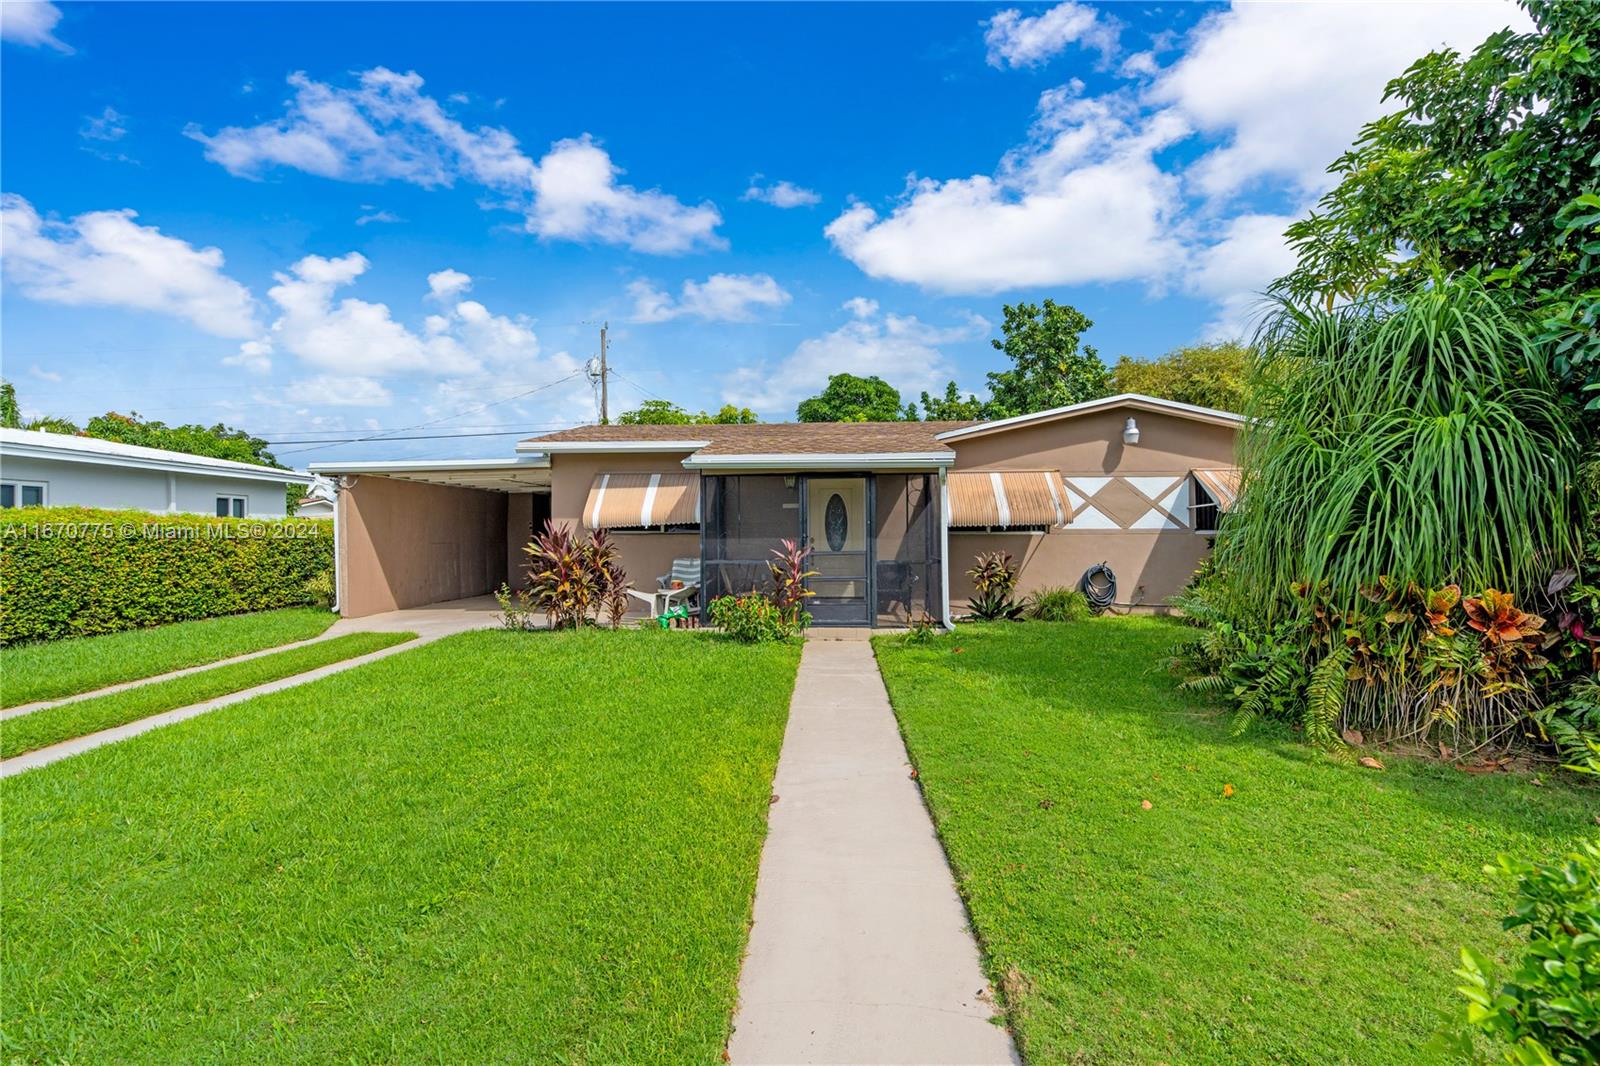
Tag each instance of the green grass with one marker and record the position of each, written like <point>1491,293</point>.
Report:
<point>52,669</point>
<point>1313,917</point>
<point>499,847</point>
<point>63,721</point>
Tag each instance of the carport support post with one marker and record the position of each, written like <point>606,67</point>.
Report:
<point>944,544</point>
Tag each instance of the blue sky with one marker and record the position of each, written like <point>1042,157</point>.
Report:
<point>325,221</point>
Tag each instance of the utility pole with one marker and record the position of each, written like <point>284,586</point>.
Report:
<point>605,410</point>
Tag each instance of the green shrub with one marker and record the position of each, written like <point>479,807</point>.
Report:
<point>75,571</point>
<point>1059,604</point>
<point>1548,1007</point>
<point>319,588</point>
<point>754,619</point>
<point>994,581</point>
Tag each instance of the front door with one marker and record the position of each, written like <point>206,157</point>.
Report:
<point>838,528</point>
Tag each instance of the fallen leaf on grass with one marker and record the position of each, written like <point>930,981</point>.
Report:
<point>1370,763</point>
<point>1354,737</point>
<point>1146,804</point>
<point>1046,804</point>
<point>913,774</point>
<point>1227,791</point>
<point>955,651</point>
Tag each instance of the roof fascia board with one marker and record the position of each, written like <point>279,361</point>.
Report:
<point>1126,399</point>
<point>241,472</point>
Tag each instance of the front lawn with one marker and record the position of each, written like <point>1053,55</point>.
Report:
<point>1314,916</point>
<point>51,669</point>
<point>76,718</point>
<point>500,847</point>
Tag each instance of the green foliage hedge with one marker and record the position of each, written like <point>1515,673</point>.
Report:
<point>75,571</point>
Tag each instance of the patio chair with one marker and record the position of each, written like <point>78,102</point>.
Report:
<point>665,597</point>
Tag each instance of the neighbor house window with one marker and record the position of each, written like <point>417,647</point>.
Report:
<point>22,494</point>
<point>1203,510</point>
<point>230,506</point>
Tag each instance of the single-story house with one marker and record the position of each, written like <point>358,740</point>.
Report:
<point>895,512</point>
<point>319,500</point>
<point>63,470</point>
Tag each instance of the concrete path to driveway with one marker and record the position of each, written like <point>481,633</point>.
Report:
<point>860,951</point>
<point>428,623</point>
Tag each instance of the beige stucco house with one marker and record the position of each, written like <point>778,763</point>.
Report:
<point>895,512</point>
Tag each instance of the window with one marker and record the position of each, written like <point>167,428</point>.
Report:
<point>230,506</point>
<point>1203,511</point>
<point>22,494</point>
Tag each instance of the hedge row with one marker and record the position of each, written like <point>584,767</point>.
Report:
<point>74,571</point>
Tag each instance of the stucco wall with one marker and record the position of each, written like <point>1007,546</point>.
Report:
<point>645,556</point>
<point>1151,564</point>
<point>405,544</point>
<point>88,485</point>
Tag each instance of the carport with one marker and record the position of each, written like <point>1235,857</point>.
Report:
<point>411,533</point>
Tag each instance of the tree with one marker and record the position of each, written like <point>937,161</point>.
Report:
<point>853,399</point>
<point>1489,167</point>
<point>1206,375</point>
<point>1047,367</point>
<point>218,441</point>
<point>951,407</point>
<point>10,413</point>
<point>667,413</point>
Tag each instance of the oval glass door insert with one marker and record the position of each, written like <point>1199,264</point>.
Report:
<point>836,523</point>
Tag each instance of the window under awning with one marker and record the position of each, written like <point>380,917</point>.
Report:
<point>643,501</point>
<point>1006,499</point>
<point>1221,484</point>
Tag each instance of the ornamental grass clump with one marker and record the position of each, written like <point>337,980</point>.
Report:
<point>1408,489</point>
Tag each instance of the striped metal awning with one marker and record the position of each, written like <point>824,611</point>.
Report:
<point>1006,499</point>
<point>1221,484</point>
<point>643,501</point>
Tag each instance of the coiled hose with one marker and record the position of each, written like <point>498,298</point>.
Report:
<point>1099,585</point>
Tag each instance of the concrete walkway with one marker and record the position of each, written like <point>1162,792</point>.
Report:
<point>860,951</point>
<point>428,623</point>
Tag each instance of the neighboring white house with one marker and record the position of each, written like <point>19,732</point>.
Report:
<point>60,470</point>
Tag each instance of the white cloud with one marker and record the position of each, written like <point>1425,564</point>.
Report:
<point>355,337</point>
<point>784,194</point>
<point>1016,41</point>
<point>861,307</point>
<point>1267,95</point>
<point>254,356</point>
<point>448,284</point>
<point>44,375</point>
<point>109,125</point>
<point>105,258</point>
<point>371,214</point>
<point>387,129</point>
<point>333,390</point>
<point>30,22</point>
<point>720,298</point>
<point>577,197</point>
<point>1287,86</point>
<point>1083,201</point>
<point>359,339</point>
<point>1234,270</point>
<point>900,349</point>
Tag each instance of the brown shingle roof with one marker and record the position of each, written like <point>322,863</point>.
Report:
<point>777,438</point>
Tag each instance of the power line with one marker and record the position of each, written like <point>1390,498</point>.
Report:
<point>459,414</point>
<point>419,436</point>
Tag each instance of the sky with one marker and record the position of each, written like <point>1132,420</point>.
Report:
<point>320,222</point>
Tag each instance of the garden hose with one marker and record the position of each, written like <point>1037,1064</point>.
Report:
<point>1099,585</point>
